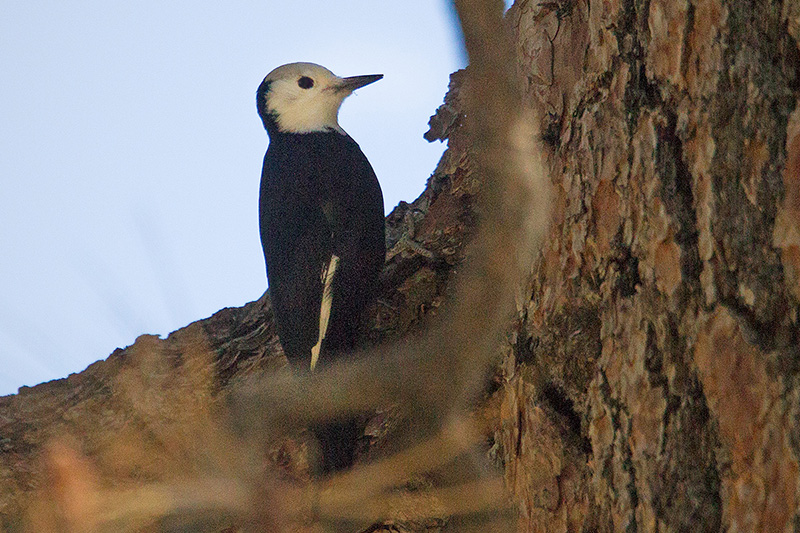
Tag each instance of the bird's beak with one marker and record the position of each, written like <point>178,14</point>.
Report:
<point>356,82</point>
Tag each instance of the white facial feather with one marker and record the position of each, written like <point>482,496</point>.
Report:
<point>299,110</point>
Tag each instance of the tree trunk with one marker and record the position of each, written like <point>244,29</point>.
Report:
<point>653,381</point>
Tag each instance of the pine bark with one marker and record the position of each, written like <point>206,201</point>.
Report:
<point>652,384</point>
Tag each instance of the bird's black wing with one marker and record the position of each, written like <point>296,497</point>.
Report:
<point>353,207</point>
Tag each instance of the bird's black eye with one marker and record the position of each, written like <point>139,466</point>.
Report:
<point>305,82</point>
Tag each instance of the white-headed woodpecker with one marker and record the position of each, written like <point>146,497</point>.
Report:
<point>322,228</point>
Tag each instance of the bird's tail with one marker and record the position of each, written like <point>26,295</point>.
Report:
<point>338,442</point>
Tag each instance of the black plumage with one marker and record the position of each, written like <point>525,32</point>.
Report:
<point>319,198</point>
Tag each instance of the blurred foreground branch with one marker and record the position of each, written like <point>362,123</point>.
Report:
<point>205,457</point>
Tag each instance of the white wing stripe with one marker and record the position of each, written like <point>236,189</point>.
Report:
<point>325,308</point>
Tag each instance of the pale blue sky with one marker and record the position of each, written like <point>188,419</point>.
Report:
<point>130,154</point>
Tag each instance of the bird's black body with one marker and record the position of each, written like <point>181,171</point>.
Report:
<point>320,197</point>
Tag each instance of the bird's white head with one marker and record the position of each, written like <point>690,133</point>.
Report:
<point>305,97</point>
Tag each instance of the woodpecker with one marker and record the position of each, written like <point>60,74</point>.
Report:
<point>322,228</point>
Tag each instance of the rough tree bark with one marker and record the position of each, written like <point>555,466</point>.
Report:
<point>652,384</point>
<point>651,378</point>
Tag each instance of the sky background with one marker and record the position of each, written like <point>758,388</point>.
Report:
<point>130,154</point>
